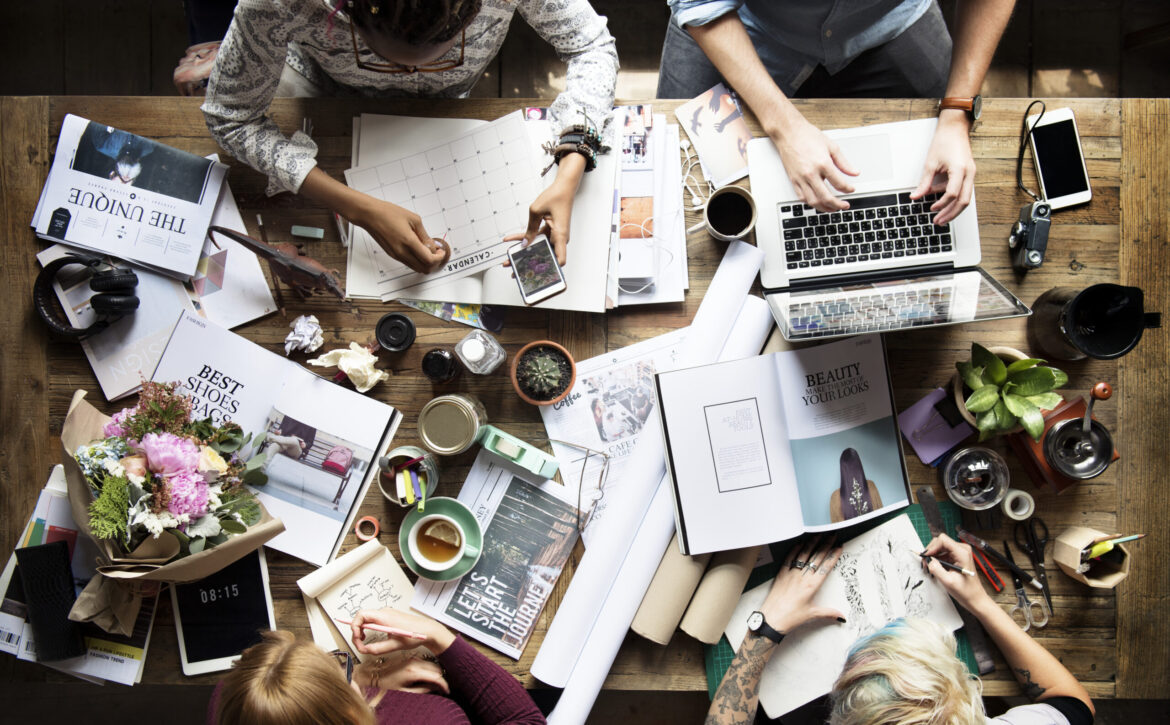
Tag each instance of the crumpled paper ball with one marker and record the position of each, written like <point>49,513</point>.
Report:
<point>357,363</point>
<point>305,335</point>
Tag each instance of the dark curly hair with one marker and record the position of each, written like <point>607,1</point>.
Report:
<point>417,22</point>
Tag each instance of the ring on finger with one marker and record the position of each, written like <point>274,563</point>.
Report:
<point>798,564</point>
<point>812,567</point>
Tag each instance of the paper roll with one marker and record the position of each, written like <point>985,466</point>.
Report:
<point>669,593</point>
<point>613,577</point>
<point>1018,505</point>
<point>718,593</point>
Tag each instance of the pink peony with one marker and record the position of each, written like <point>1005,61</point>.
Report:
<point>114,427</point>
<point>169,454</point>
<point>188,495</point>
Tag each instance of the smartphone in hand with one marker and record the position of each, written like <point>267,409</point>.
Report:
<point>536,270</point>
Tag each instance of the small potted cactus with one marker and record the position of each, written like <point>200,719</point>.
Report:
<point>543,372</point>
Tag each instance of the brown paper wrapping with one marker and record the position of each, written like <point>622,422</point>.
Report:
<point>668,594</point>
<point>113,597</point>
<point>718,593</point>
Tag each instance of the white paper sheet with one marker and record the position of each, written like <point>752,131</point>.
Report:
<point>578,621</point>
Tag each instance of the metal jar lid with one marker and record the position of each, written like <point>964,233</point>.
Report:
<point>449,424</point>
<point>1076,454</point>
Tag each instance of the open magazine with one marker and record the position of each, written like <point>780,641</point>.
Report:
<point>113,192</point>
<point>321,440</point>
<point>766,448</point>
<point>529,530</point>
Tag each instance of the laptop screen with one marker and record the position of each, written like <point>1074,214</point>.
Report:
<point>947,298</point>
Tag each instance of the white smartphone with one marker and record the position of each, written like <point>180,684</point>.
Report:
<point>1060,163</point>
<point>536,270</point>
<point>219,617</point>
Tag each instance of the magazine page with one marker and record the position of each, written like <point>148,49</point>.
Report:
<point>529,529</point>
<point>842,431</point>
<point>129,196</point>
<point>319,438</point>
<point>732,473</point>
<point>606,411</point>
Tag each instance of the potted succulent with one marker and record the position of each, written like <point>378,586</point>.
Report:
<point>543,372</point>
<point>1008,390</point>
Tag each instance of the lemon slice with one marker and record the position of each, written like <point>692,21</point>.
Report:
<point>444,531</point>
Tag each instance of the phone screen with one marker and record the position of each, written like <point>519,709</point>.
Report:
<point>536,267</point>
<point>1058,156</point>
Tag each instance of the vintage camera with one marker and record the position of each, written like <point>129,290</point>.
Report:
<point>1029,237</point>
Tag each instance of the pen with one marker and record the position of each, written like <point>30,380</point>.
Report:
<point>388,630</point>
<point>983,546</point>
<point>1104,547</point>
<point>263,233</point>
<point>947,564</point>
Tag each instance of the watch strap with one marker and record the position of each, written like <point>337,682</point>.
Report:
<point>961,104</point>
<point>766,630</point>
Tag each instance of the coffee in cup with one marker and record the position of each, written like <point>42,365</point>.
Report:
<point>437,542</point>
<point>730,213</point>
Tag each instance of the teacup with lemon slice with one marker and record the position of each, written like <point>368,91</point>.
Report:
<point>443,543</point>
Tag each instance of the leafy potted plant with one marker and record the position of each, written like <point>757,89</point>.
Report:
<point>1008,390</point>
<point>543,372</point>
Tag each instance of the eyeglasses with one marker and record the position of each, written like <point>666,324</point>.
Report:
<point>585,508</point>
<point>345,661</point>
<point>434,66</point>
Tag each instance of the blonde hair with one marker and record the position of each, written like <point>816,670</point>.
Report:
<point>289,681</point>
<point>906,674</point>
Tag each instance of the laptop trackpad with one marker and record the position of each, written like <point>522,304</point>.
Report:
<point>871,156</point>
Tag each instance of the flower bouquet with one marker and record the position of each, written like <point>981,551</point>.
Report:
<point>163,496</point>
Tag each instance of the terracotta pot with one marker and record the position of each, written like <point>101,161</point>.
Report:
<point>1008,355</point>
<point>516,383</point>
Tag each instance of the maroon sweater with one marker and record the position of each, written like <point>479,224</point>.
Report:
<point>481,692</point>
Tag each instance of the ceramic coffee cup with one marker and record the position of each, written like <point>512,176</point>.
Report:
<point>429,557</point>
<point>730,213</point>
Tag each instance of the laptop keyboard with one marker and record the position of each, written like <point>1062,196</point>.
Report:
<point>871,313</point>
<point>883,226</point>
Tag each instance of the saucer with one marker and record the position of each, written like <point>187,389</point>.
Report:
<point>456,510</point>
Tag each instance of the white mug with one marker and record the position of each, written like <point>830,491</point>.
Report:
<point>733,220</point>
<point>426,562</point>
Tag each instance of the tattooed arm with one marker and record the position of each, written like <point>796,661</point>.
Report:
<point>739,693</point>
<point>1039,673</point>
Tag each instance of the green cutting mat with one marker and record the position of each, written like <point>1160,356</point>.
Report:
<point>718,657</point>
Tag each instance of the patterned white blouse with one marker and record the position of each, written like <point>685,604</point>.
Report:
<point>266,34</point>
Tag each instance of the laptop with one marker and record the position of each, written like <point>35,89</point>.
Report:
<point>879,265</point>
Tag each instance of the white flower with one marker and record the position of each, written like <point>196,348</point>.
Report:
<point>157,523</point>
<point>114,468</point>
<point>135,479</point>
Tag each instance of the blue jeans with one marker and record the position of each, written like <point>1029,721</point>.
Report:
<point>913,65</point>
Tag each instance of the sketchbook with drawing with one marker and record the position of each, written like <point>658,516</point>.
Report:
<point>321,440</point>
<point>766,448</point>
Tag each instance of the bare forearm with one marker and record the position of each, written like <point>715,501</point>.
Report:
<point>334,195</point>
<point>1039,673</point>
<point>738,695</point>
<point>730,49</point>
<point>980,25</point>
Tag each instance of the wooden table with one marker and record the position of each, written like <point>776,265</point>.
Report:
<point>1117,643</point>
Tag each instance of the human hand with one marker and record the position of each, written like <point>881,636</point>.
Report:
<point>949,167</point>
<point>811,158</point>
<point>789,602</point>
<point>438,637</point>
<point>552,210</point>
<point>400,232</point>
<point>408,672</point>
<point>967,590</point>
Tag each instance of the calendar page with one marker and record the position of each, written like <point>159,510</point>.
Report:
<point>471,190</point>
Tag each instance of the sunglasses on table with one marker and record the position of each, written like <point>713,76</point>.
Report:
<point>434,66</point>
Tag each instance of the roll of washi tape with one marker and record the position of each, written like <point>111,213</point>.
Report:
<point>1018,505</point>
<point>365,533</point>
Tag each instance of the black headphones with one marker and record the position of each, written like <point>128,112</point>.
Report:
<point>114,299</point>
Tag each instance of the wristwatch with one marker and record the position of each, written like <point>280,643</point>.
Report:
<point>756,624</point>
<point>973,106</point>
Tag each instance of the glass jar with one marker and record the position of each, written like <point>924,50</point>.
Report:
<point>480,352</point>
<point>440,365</point>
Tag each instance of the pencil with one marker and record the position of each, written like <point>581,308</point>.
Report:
<point>388,630</point>
<point>948,565</point>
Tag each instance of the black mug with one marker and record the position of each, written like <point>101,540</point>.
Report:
<point>1104,321</point>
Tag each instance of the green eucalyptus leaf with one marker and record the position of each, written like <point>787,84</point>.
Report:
<point>217,539</point>
<point>232,526</point>
<point>982,399</point>
<point>255,462</point>
<point>197,544</point>
<point>1017,405</point>
<point>1045,401</point>
<point>1060,376</point>
<point>1034,381</point>
<point>971,376</point>
<point>255,477</point>
<point>994,371</point>
<point>1033,422</point>
<point>1018,365</point>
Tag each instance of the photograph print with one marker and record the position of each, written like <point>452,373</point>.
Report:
<point>108,153</point>
<point>621,400</point>
<point>311,468</point>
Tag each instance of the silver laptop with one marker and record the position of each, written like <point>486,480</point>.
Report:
<point>879,265</point>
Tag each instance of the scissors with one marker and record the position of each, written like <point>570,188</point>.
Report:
<point>1032,538</point>
<point>1032,614</point>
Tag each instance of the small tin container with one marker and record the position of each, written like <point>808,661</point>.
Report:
<point>428,466</point>
<point>450,424</point>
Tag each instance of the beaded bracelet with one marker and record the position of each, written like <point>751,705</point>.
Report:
<point>579,138</point>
